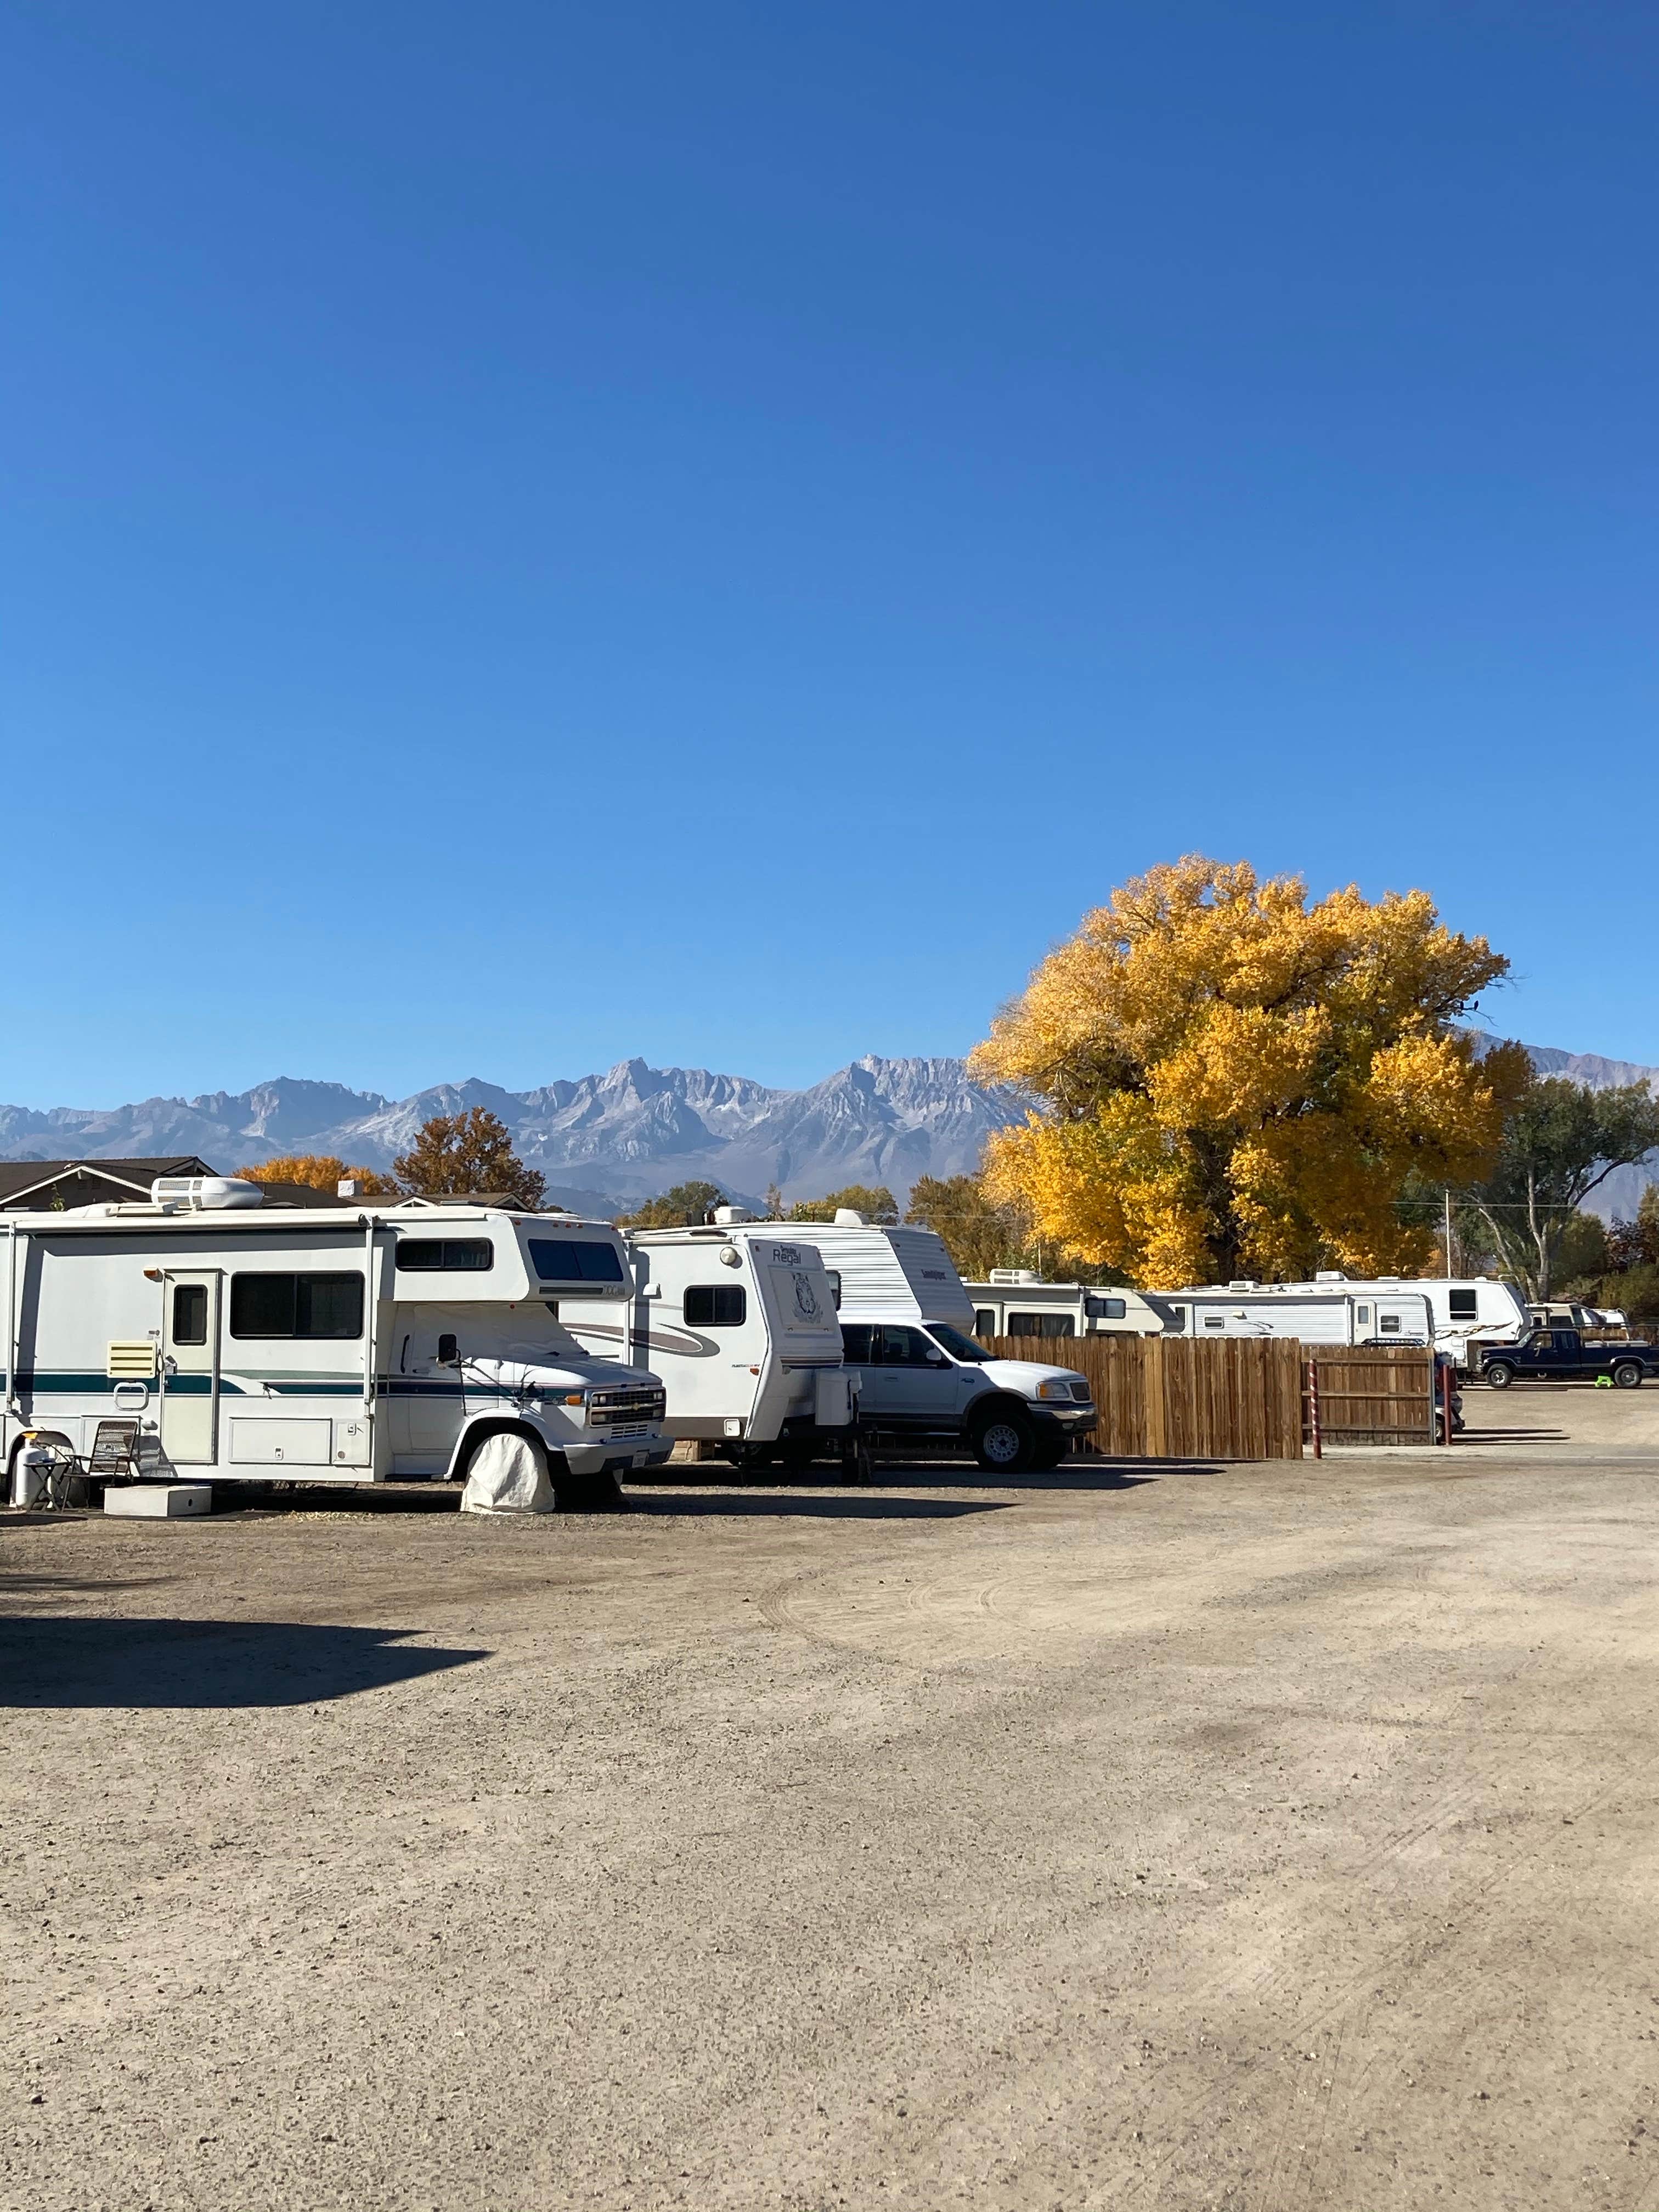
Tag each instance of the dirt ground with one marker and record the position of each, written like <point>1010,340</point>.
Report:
<point>1270,1835</point>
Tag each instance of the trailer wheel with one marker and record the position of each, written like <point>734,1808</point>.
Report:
<point>1628,1375</point>
<point>1498,1374</point>
<point>1003,1442</point>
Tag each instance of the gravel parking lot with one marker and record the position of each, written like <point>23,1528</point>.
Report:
<point>1263,1836</point>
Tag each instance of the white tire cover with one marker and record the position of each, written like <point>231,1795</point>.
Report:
<point>508,1475</point>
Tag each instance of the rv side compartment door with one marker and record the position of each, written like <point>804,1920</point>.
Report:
<point>189,1381</point>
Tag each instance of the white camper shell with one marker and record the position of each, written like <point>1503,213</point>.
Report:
<point>738,1320</point>
<point>1018,1302</point>
<point>906,1323</point>
<point>254,1342</point>
<point>1288,1311</point>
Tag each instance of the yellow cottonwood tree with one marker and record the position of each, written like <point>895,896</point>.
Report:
<point>1226,1080</point>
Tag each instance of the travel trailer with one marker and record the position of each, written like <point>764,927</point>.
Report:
<point>738,1320</point>
<point>906,1326</point>
<point>1017,1301</point>
<point>1272,1309</point>
<point>1467,1310</point>
<point>252,1341</point>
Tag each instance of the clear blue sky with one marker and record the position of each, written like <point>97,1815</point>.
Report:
<point>534,534</point>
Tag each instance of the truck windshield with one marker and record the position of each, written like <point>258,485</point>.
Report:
<point>959,1345</point>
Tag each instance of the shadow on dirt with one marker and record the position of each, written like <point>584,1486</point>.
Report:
<point>55,1662</point>
<point>812,1504</point>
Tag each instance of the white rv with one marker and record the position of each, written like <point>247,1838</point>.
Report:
<point>1017,1301</point>
<point>906,1326</point>
<point>251,1340</point>
<point>738,1320</point>
<point>1287,1311</point>
<point>1467,1310</point>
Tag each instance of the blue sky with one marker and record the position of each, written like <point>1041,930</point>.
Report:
<point>535,534</point>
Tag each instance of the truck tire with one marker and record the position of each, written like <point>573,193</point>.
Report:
<point>1049,1453</point>
<point>1628,1375</point>
<point>1498,1374</point>
<point>1003,1441</point>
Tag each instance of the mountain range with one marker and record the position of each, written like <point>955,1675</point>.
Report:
<point>604,1142</point>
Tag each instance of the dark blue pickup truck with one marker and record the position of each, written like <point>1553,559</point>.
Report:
<point>1562,1355</point>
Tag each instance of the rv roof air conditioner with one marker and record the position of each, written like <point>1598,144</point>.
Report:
<point>728,1217</point>
<point>847,1216</point>
<point>205,1194</point>
<point>1330,1275</point>
<point>1015,1275</point>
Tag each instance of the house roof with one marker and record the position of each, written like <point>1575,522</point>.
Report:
<point>23,1181</point>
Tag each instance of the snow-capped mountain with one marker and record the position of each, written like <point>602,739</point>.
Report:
<point>606,1141</point>
<point>603,1141</point>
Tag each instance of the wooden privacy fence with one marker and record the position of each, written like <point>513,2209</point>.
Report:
<point>1174,1397</point>
<point>1371,1393</point>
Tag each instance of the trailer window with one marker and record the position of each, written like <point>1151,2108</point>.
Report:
<point>1215,1320</point>
<point>1040,1324</point>
<point>716,1305</point>
<point>452,1255</point>
<point>562,1260</point>
<point>1109,1308</point>
<point>833,1274</point>
<point>1390,1324</point>
<point>296,1305</point>
<point>190,1313</point>
<point>985,1321</point>
<point>1464,1304</point>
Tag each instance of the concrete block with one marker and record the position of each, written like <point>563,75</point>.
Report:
<point>160,1501</point>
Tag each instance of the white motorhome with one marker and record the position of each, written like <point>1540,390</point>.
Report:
<point>252,1341</point>
<point>906,1326</point>
<point>738,1320</point>
<point>1309,1317</point>
<point>1018,1302</point>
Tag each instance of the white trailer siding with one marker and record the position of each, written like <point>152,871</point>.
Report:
<point>892,1273</point>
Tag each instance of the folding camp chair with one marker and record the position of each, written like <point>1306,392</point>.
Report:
<point>114,1453</point>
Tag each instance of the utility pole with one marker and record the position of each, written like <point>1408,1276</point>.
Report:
<point>1449,1257</point>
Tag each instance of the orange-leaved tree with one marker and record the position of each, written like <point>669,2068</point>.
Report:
<point>1226,1080</point>
<point>461,1155</point>
<point>321,1171</point>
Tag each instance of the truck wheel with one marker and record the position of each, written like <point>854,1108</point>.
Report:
<point>1628,1375</point>
<point>1498,1374</point>
<point>1003,1442</point>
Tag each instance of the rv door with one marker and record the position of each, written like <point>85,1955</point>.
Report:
<point>189,1382</point>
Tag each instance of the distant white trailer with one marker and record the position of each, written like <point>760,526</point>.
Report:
<point>1306,1316</point>
<point>1018,1302</point>
<point>1466,1309</point>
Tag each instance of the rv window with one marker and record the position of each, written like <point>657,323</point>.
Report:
<point>1465,1305</point>
<point>1215,1320</point>
<point>833,1276</point>
<point>1363,1315</point>
<point>1040,1324</point>
<point>1390,1324</point>
<point>716,1305</point>
<point>296,1305</point>
<point>190,1313</point>
<point>855,1343</point>
<point>1114,1309</point>
<point>563,1261</point>
<point>454,1255</point>
<point>985,1321</point>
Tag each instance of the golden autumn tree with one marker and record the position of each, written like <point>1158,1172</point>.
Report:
<point>320,1171</point>
<point>1226,1080</point>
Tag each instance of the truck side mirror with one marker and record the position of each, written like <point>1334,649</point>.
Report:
<point>448,1351</point>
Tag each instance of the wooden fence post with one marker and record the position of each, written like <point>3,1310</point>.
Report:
<point>1313,1409</point>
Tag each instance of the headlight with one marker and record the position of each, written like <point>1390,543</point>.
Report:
<point>1061,1387</point>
